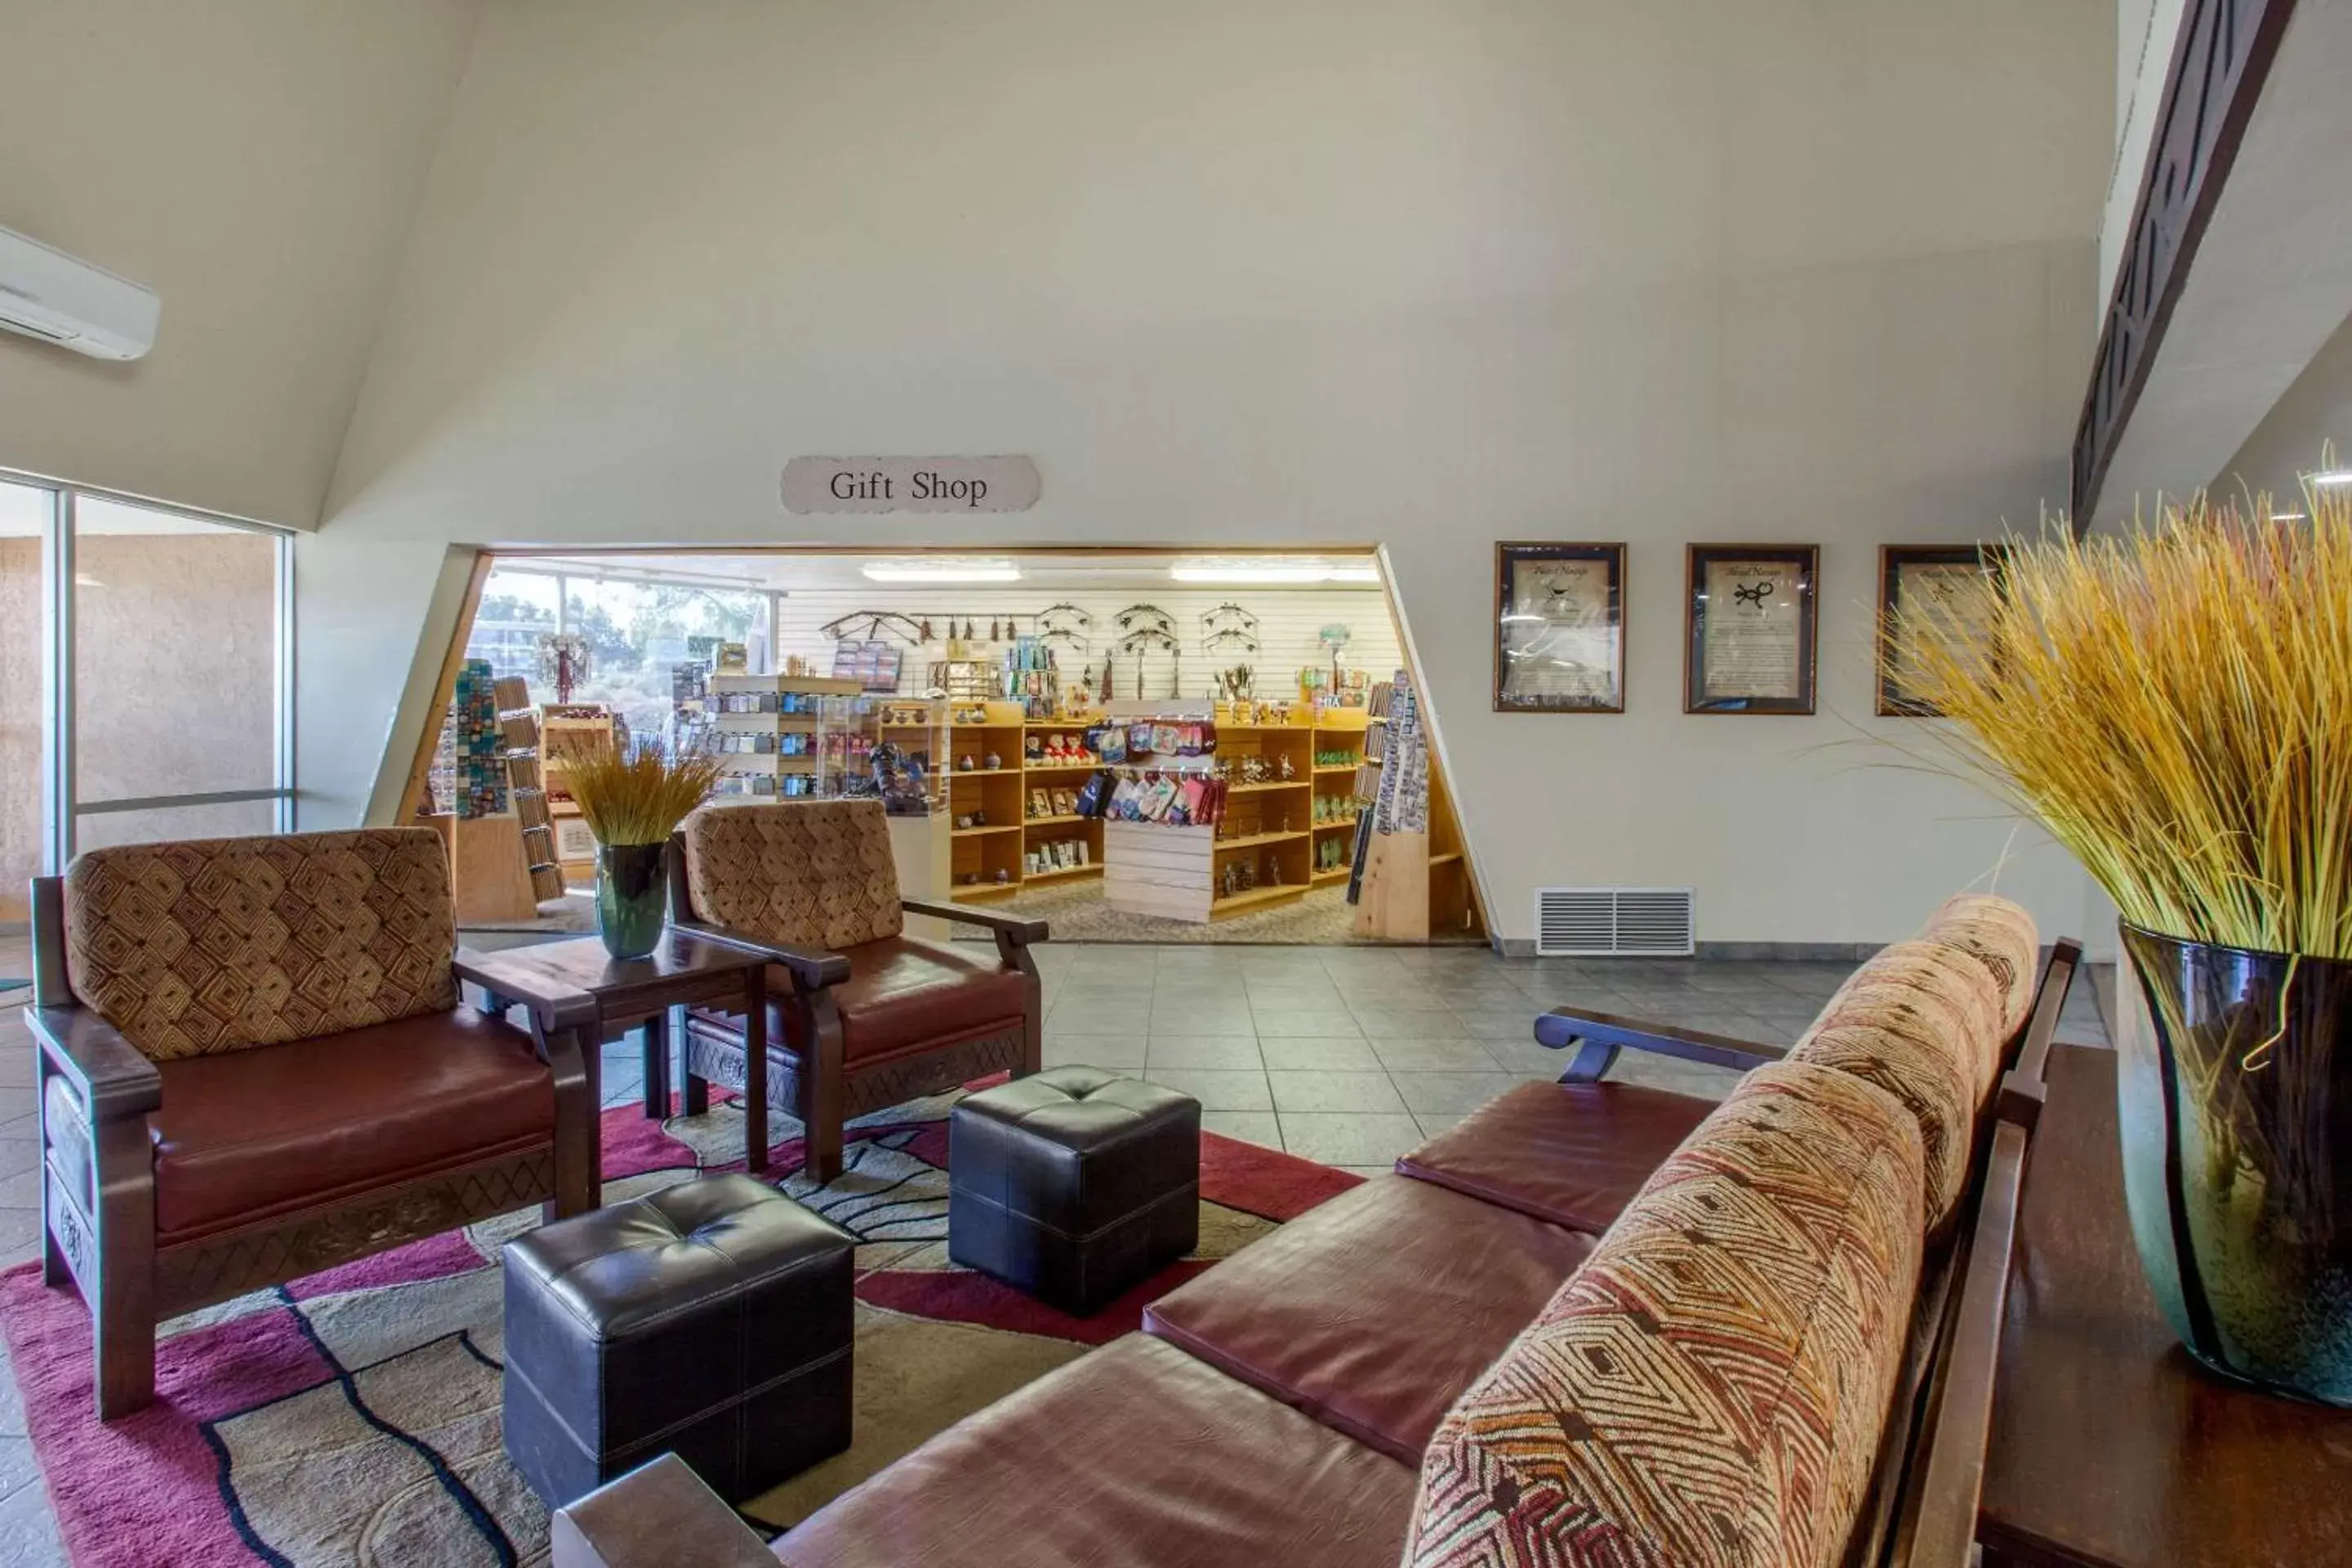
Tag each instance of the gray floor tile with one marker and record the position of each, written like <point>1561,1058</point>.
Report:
<point>1259,1127</point>
<point>20,1235</point>
<point>1348,1092</point>
<point>1454,1092</point>
<point>1217,1088</point>
<point>1188,1051</point>
<point>1297,999</point>
<point>1174,1020</point>
<point>1370,1172</point>
<point>11,1399</point>
<point>1433,1122</point>
<point>1524,1059</point>
<point>1500,1023</point>
<point>1285,1053</point>
<point>1342,1139</point>
<point>1434,1056</point>
<point>1114,1053</point>
<point>1331,1023</point>
<point>1400,1024</point>
<point>28,1528</point>
<point>18,1154</point>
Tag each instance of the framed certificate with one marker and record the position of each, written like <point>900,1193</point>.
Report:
<point>1560,628</point>
<point>1940,589</point>
<point>1752,628</point>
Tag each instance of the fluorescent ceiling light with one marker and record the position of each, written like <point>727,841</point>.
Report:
<point>2333,477</point>
<point>941,572</point>
<point>1275,571</point>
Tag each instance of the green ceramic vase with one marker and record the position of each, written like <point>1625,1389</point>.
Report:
<point>632,897</point>
<point>2235,1085</point>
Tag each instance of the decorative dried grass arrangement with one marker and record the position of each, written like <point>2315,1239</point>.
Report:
<point>641,795</point>
<point>2175,705</point>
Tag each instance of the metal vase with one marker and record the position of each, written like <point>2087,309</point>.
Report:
<point>2235,1085</point>
<point>632,898</point>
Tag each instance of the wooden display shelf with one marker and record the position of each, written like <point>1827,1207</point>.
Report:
<point>1255,898</point>
<point>1337,767</point>
<point>1092,868</point>
<point>1053,821</point>
<point>1061,767</point>
<point>982,772</point>
<point>1257,840</point>
<point>979,890</point>
<point>984,832</point>
<point>1348,826</point>
<point>1272,783</point>
<point>1336,874</point>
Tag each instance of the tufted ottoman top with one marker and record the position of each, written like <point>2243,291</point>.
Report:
<point>1078,1108</point>
<point>688,1249</point>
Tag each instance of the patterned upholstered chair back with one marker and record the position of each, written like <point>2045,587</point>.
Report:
<point>805,873</point>
<point>220,944</point>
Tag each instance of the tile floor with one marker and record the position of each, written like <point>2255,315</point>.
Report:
<point>1349,1056</point>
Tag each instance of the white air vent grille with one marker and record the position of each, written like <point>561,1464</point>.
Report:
<point>1591,922</point>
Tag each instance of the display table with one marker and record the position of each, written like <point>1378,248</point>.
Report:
<point>684,971</point>
<point>2110,1448</point>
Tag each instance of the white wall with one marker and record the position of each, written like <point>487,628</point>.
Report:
<point>2315,414</point>
<point>1339,271</point>
<point>257,164</point>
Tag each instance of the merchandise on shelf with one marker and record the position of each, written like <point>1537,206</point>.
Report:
<point>478,766</point>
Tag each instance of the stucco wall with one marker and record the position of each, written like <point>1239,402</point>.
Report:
<point>1412,275</point>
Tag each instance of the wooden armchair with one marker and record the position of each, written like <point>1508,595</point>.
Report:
<point>860,1015</point>
<point>253,1064</point>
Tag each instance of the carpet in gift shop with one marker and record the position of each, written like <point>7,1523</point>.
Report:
<point>353,1417</point>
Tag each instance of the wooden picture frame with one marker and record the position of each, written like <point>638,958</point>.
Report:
<point>1559,628</point>
<point>1895,563</point>
<point>1756,654</point>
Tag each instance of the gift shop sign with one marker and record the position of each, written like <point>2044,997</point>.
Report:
<point>909,484</point>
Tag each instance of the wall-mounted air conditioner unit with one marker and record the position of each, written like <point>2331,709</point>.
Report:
<point>1616,923</point>
<point>48,295</point>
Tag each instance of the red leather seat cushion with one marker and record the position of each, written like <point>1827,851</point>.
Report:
<point>250,1134</point>
<point>1374,1311</point>
<point>1574,1154</point>
<point>1135,1455</point>
<point>903,994</point>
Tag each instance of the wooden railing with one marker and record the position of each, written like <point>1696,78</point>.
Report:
<point>2219,61</point>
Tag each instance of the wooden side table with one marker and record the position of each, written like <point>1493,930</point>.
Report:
<point>2110,1448</point>
<point>682,972</point>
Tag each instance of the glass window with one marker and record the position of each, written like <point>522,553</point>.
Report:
<point>24,513</point>
<point>217,819</point>
<point>518,608</point>
<point>176,654</point>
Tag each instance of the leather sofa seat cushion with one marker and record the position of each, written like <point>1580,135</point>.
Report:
<point>256,1132</point>
<point>1375,1311</point>
<point>1572,1153</point>
<point>1711,1386</point>
<point>903,994</point>
<point>1136,1455</point>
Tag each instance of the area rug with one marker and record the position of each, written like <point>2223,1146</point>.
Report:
<point>353,1417</point>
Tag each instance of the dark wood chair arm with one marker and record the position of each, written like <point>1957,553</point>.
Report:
<point>1599,1036</point>
<point>656,1516</point>
<point>812,969</point>
<point>114,1078</point>
<point>553,1005</point>
<point>1019,931</point>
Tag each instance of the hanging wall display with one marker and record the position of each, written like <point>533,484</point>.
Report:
<point>1945,590</point>
<point>1560,628</point>
<point>1752,622</point>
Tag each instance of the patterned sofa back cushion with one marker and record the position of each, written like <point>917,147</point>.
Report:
<point>219,944</point>
<point>1930,993</point>
<point>1931,1081</point>
<point>1710,1386</point>
<point>805,873</point>
<point>2001,936</point>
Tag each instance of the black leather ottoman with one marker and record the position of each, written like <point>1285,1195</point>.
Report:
<point>1073,1185</point>
<point>711,1318</point>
